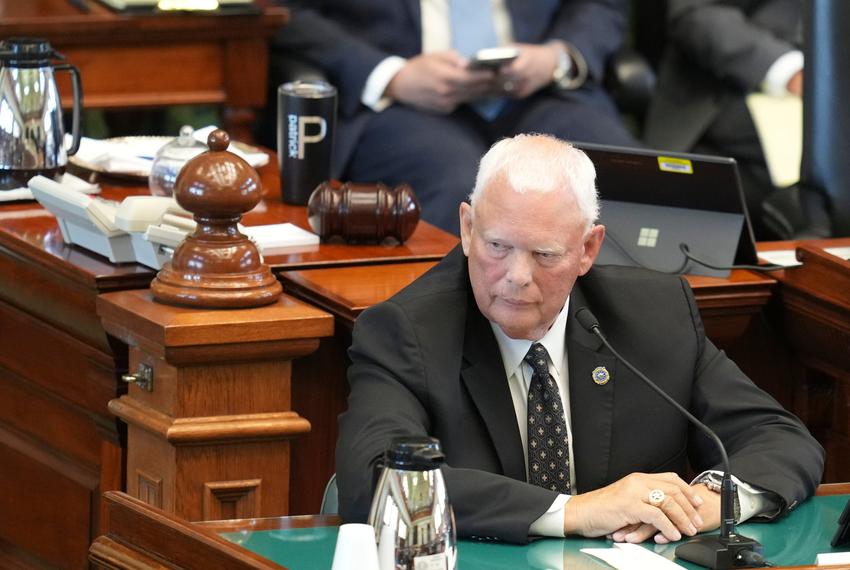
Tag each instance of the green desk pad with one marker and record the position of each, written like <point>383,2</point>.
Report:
<point>791,541</point>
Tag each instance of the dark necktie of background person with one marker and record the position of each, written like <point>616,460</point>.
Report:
<point>548,443</point>
<point>473,29</point>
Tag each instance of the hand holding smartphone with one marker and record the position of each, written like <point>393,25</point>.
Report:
<point>493,58</point>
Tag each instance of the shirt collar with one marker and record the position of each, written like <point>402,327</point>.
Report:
<point>514,350</point>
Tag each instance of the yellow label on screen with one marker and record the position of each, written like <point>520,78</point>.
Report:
<point>678,165</point>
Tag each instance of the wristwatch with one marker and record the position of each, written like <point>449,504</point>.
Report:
<point>571,70</point>
<point>713,481</point>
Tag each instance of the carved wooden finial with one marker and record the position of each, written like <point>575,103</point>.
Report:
<point>217,266</point>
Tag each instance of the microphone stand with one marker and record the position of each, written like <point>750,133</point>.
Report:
<point>716,551</point>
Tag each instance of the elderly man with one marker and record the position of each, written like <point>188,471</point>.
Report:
<point>484,353</point>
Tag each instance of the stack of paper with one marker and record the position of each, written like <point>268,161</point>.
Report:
<point>626,556</point>
<point>202,5</point>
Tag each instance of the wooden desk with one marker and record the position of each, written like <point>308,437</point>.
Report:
<point>158,59</point>
<point>140,537</point>
<point>815,315</point>
<point>728,306</point>
<point>59,368</point>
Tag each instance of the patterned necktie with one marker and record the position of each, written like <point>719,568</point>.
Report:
<point>548,443</point>
<point>473,29</point>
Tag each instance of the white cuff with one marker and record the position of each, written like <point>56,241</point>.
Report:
<point>754,501</point>
<point>780,73</point>
<point>551,523</point>
<point>373,92</point>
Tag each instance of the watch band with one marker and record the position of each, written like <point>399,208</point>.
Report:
<point>571,71</point>
<point>714,481</point>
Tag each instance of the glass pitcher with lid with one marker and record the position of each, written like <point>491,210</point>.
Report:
<point>171,158</point>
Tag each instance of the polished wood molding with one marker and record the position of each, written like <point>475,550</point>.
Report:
<point>347,292</point>
<point>727,306</point>
<point>142,537</point>
<point>167,330</point>
<point>822,273</point>
<point>842,488</point>
<point>215,429</point>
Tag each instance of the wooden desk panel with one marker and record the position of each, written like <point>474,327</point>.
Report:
<point>143,60</point>
<point>815,316</point>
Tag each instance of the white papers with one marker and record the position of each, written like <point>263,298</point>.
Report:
<point>832,558</point>
<point>788,257</point>
<point>68,181</point>
<point>779,123</point>
<point>134,155</point>
<point>626,556</point>
<point>124,4</point>
<point>783,257</point>
<point>842,252</point>
<point>276,236</point>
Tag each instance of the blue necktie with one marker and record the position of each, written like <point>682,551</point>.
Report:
<point>472,30</point>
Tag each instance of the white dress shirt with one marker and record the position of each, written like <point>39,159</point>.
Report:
<point>780,73</point>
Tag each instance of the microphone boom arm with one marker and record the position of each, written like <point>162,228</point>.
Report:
<point>729,549</point>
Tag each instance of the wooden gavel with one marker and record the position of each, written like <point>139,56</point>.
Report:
<point>363,212</point>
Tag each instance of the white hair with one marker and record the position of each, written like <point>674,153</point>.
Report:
<point>541,163</point>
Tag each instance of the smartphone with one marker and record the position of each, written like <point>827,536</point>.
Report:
<point>493,58</point>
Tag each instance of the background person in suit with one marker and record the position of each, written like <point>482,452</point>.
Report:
<point>445,357</point>
<point>718,52</point>
<point>413,110</point>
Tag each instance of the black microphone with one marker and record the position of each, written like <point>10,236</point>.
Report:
<point>726,550</point>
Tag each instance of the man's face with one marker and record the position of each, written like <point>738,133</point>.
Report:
<point>525,252</point>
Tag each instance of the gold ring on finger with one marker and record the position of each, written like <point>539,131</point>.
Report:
<point>656,497</point>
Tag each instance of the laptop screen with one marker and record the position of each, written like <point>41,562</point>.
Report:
<point>680,193</point>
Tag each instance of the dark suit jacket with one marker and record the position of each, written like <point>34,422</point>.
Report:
<point>348,38</point>
<point>427,362</point>
<point>718,50</point>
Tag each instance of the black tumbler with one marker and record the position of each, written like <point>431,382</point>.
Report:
<point>306,120</point>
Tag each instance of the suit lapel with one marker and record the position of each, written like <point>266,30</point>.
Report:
<point>591,405</point>
<point>521,12</point>
<point>484,376</point>
<point>414,7</point>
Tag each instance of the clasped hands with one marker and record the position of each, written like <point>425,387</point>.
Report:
<point>441,81</point>
<point>622,510</point>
